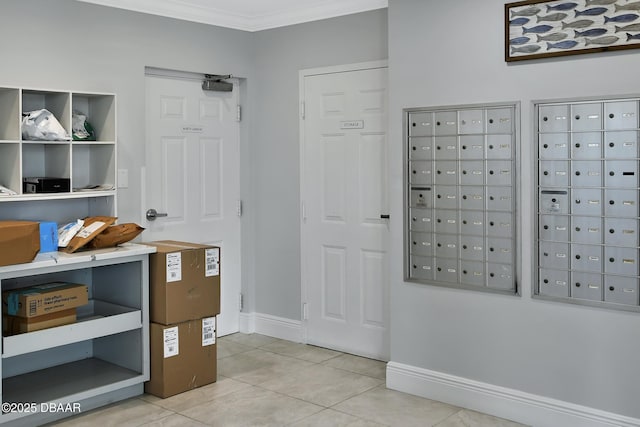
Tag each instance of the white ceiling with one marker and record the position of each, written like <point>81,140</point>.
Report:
<point>248,15</point>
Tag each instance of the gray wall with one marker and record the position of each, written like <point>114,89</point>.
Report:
<point>280,54</point>
<point>447,53</point>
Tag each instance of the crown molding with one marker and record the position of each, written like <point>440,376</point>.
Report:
<point>296,13</point>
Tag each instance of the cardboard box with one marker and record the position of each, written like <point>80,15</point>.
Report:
<point>184,282</point>
<point>182,357</point>
<point>19,241</point>
<point>13,325</point>
<point>44,299</point>
<point>48,237</point>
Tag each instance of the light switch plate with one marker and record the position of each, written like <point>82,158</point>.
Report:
<point>123,178</point>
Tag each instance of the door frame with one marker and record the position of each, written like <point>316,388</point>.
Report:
<point>336,69</point>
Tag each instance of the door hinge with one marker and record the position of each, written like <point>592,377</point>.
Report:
<point>241,302</point>
<point>239,208</point>
<point>303,112</point>
<point>305,311</point>
<point>304,212</point>
<point>238,113</point>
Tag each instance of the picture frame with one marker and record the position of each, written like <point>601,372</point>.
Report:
<point>544,29</point>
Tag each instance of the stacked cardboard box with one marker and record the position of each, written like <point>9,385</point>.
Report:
<point>184,298</point>
<point>42,306</point>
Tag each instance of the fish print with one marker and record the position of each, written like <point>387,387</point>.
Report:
<point>630,6</point>
<point>530,11</point>
<point>552,17</point>
<point>537,29</point>
<point>633,37</point>
<point>519,40</point>
<point>600,2</point>
<point>622,18</point>
<point>567,44</point>
<point>563,6</point>
<point>532,48</point>
<point>518,21</point>
<point>632,27</point>
<point>553,37</point>
<point>594,32</point>
<point>602,40</point>
<point>577,24</point>
<point>591,12</point>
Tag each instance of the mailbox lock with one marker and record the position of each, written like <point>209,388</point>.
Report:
<point>612,260</point>
<point>611,230</point>
<point>611,116</point>
<point>578,117</point>
<point>611,144</point>
<point>577,145</point>
<point>491,121</point>
<point>578,284</point>
<point>545,119</point>
<point>546,145</point>
<point>578,257</point>
<point>612,288</point>
<point>611,202</point>
<point>612,173</point>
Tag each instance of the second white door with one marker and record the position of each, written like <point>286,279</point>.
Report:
<point>345,227</point>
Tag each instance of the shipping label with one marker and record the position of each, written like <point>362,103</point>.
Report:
<point>174,267</point>
<point>208,331</point>
<point>212,262</point>
<point>171,344</point>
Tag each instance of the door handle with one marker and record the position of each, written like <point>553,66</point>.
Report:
<point>152,214</point>
<point>384,216</point>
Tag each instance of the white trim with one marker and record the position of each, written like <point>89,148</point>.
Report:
<point>527,408</point>
<point>272,326</point>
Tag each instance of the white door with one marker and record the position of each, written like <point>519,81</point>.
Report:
<point>192,176</point>
<point>344,194</point>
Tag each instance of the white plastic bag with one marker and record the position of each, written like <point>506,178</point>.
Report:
<point>41,125</point>
<point>68,231</point>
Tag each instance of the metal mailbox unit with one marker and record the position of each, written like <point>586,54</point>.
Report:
<point>587,246</point>
<point>460,198</point>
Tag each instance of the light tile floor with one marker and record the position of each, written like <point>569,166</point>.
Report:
<point>264,381</point>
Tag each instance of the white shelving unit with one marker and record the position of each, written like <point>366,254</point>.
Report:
<point>101,358</point>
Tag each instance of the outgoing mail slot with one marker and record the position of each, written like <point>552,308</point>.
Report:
<point>586,145</point>
<point>587,230</point>
<point>621,145</point>
<point>446,245</point>
<point>554,255</point>
<point>446,123</point>
<point>446,173</point>
<point>500,250</point>
<point>499,172</point>
<point>421,148</point>
<point>499,120</point>
<point>421,267</point>
<point>586,286</point>
<point>621,232</point>
<point>585,173</point>
<point>421,244</point>
<point>554,173</point>
<point>553,283</point>
<point>471,121</point>
<point>621,290</point>
<point>586,116</point>
<point>553,118</point>
<point>553,228</point>
<point>472,223</point>
<point>554,146</point>
<point>499,199</point>
<point>554,202</point>
<point>446,197</point>
<point>621,203</point>
<point>500,276</point>
<point>472,197</point>
<point>500,224</point>
<point>471,147</point>
<point>420,124</point>
<point>586,201</point>
<point>446,270</point>
<point>621,173</point>
<point>621,115</point>
<point>623,261</point>
<point>446,148</point>
<point>420,220</point>
<point>499,147</point>
<point>472,173</point>
<point>446,221</point>
<point>421,197</point>
<point>472,248</point>
<point>586,258</point>
<point>420,173</point>
<point>472,273</point>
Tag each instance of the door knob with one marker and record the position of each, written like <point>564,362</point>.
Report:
<point>152,214</point>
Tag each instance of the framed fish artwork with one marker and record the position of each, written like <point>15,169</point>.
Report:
<point>542,29</point>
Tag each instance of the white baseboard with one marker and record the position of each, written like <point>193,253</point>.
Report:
<point>526,408</point>
<point>272,326</point>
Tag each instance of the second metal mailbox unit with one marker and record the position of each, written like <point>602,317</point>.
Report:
<point>587,228</point>
<point>460,207</point>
